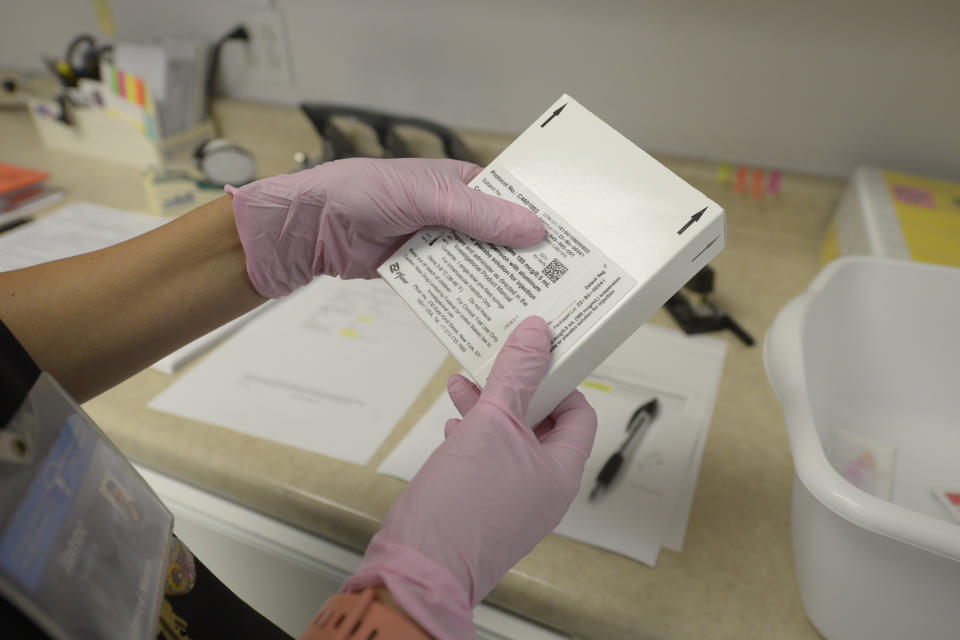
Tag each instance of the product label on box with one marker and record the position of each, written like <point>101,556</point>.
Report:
<point>471,293</point>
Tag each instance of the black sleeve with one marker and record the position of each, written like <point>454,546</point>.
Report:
<point>18,373</point>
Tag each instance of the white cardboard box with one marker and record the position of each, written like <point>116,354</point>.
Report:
<point>624,234</point>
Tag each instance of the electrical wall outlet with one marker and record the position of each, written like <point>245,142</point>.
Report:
<point>264,59</point>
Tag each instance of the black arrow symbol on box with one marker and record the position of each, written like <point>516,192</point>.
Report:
<point>554,115</point>
<point>693,218</point>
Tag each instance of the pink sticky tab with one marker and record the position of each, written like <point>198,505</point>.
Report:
<point>914,196</point>
<point>950,501</point>
<point>756,185</point>
<point>773,185</point>
<point>740,182</point>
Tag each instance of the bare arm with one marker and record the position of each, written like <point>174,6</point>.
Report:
<point>95,319</point>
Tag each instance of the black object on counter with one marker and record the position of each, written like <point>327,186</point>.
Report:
<point>706,316</point>
<point>337,145</point>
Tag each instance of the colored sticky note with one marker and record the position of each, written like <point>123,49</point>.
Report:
<point>928,219</point>
<point>914,195</point>
<point>130,87</point>
<point>114,83</point>
<point>756,185</point>
<point>724,173</point>
<point>121,83</point>
<point>773,185</point>
<point>137,91</point>
<point>147,99</point>
<point>349,332</point>
<point>740,183</point>
<point>150,129</point>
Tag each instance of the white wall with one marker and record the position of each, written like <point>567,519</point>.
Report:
<point>819,86</point>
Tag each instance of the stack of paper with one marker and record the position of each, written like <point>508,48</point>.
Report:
<point>649,504</point>
<point>330,369</point>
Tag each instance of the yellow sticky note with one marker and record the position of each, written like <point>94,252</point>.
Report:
<point>929,215</point>
<point>130,90</point>
<point>104,17</point>
<point>364,319</point>
<point>596,385</point>
<point>724,173</point>
<point>349,332</point>
<point>147,99</point>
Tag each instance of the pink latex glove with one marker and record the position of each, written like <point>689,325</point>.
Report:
<point>486,496</point>
<point>345,218</point>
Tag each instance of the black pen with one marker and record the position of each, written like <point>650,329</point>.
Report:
<point>637,427</point>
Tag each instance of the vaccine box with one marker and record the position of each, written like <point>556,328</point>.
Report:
<point>896,215</point>
<point>623,235</point>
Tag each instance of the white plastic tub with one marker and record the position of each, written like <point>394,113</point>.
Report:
<point>873,347</point>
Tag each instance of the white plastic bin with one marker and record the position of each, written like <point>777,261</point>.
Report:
<point>873,347</point>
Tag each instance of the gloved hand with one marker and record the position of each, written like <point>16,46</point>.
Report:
<point>486,496</point>
<point>345,218</point>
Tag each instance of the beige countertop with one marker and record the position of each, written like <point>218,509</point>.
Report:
<point>735,576</point>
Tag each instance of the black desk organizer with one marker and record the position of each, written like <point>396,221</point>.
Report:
<point>337,145</point>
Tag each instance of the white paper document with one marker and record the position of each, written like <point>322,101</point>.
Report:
<point>77,228</point>
<point>649,504</point>
<point>187,353</point>
<point>330,369</point>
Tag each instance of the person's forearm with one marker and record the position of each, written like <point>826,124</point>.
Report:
<point>95,319</point>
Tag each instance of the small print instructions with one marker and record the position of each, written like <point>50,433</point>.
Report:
<point>471,293</point>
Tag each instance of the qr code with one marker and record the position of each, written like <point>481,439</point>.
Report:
<point>554,270</point>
